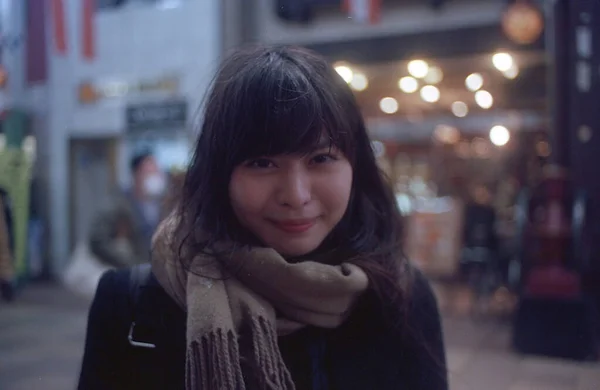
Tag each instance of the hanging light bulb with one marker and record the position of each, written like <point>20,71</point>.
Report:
<point>389,105</point>
<point>512,73</point>
<point>434,75</point>
<point>502,61</point>
<point>345,72</point>
<point>499,135</point>
<point>430,94</point>
<point>359,82</point>
<point>474,82</point>
<point>460,109</point>
<point>484,99</point>
<point>408,84</point>
<point>418,68</point>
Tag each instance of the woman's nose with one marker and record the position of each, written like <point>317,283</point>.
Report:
<point>295,188</point>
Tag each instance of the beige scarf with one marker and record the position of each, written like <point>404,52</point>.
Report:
<point>232,327</point>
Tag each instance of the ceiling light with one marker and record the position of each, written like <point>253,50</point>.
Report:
<point>460,109</point>
<point>408,84</point>
<point>499,135</point>
<point>418,68</point>
<point>359,82</point>
<point>345,72</point>
<point>484,99</point>
<point>388,105</point>
<point>502,61</point>
<point>512,73</point>
<point>434,75</point>
<point>474,82</point>
<point>430,94</point>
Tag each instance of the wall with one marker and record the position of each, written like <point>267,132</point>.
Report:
<point>400,17</point>
<point>145,43</point>
<point>132,44</point>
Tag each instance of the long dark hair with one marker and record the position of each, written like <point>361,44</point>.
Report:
<point>273,100</point>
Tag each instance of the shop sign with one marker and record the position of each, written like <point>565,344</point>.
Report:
<point>147,116</point>
<point>93,92</point>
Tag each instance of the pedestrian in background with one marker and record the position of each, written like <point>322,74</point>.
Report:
<point>122,232</point>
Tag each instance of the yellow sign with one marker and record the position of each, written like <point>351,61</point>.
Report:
<point>89,93</point>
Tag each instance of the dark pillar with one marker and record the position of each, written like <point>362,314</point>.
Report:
<point>584,127</point>
<point>557,48</point>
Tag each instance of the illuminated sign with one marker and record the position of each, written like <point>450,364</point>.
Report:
<point>89,93</point>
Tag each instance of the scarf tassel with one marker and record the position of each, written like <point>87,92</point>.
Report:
<point>275,375</point>
<point>213,363</point>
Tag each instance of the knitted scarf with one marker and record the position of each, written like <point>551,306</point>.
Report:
<point>239,304</point>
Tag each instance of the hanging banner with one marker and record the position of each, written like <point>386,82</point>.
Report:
<point>59,26</point>
<point>363,11</point>
<point>88,39</point>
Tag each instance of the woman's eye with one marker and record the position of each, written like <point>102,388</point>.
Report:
<point>322,158</point>
<point>260,163</point>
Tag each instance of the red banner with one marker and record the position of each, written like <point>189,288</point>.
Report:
<point>58,26</point>
<point>88,29</point>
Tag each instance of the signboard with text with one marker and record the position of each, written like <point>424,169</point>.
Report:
<point>148,116</point>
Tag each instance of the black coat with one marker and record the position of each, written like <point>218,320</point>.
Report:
<point>362,354</point>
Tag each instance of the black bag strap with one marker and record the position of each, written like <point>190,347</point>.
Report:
<point>138,275</point>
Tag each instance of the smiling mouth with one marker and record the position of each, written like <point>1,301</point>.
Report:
<point>295,226</point>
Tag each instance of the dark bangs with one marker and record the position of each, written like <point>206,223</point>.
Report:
<point>280,105</point>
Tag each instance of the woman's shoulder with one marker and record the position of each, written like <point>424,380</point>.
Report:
<point>420,294</point>
<point>112,287</point>
<point>117,282</point>
<point>129,289</point>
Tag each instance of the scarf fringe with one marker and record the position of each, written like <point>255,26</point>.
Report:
<point>267,357</point>
<point>213,362</point>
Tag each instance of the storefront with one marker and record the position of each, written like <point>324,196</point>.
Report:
<point>115,93</point>
<point>152,116</point>
<point>452,109</point>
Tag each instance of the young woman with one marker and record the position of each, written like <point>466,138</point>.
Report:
<point>282,267</point>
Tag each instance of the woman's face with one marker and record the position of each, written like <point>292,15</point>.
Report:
<point>292,202</point>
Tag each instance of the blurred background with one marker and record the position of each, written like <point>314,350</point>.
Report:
<point>483,113</point>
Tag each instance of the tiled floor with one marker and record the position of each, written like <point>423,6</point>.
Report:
<point>41,339</point>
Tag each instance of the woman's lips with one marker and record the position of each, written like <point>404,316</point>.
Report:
<point>295,226</point>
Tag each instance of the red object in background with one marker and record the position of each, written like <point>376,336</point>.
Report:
<point>551,271</point>
<point>88,29</point>
<point>363,11</point>
<point>553,281</point>
<point>58,26</point>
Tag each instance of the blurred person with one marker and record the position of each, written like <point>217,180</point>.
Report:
<point>121,235</point>
<point>480,242</point>
<point>282,265</point>
<point>480,220</point>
